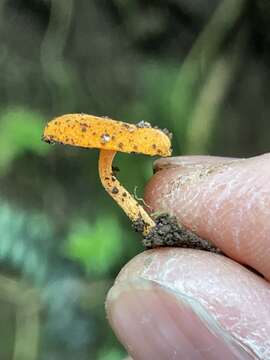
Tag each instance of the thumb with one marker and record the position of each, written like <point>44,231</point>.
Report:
<point>172,304</point>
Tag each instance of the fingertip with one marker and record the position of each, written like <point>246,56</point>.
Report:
<point>226,202</point>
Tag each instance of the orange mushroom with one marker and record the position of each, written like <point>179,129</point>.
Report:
<point>110,136</point>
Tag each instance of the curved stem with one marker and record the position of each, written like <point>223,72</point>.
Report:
<point>124,199</point>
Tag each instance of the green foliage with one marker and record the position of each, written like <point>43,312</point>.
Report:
<point>25,240</point>
<point>111,354</point>
<point>20,131</point>
<point>96,246</point>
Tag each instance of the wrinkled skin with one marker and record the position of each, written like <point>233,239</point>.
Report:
<point>175,303</point>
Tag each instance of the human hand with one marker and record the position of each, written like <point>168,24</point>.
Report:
<point>173,303</point>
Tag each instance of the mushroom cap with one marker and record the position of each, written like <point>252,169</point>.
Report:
<point>89,131</point>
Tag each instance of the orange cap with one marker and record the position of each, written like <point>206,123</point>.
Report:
<point>103,133</point>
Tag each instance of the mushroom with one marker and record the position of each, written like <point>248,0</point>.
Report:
<point>110,136</point>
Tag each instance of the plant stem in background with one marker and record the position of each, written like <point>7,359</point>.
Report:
<point>202,121</point>
<point>198,62</point>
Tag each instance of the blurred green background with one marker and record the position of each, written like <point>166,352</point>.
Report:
<point>197,67</point>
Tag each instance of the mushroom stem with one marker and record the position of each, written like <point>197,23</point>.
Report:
<point>124,199</point>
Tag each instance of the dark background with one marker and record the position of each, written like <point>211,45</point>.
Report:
<point>197,67</point>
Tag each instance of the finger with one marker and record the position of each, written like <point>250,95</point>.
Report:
<point>226,202</point>
<point>190,304</point>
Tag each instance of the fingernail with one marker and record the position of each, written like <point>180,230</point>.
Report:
<point>188,162</point>
<point>152,322</point>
